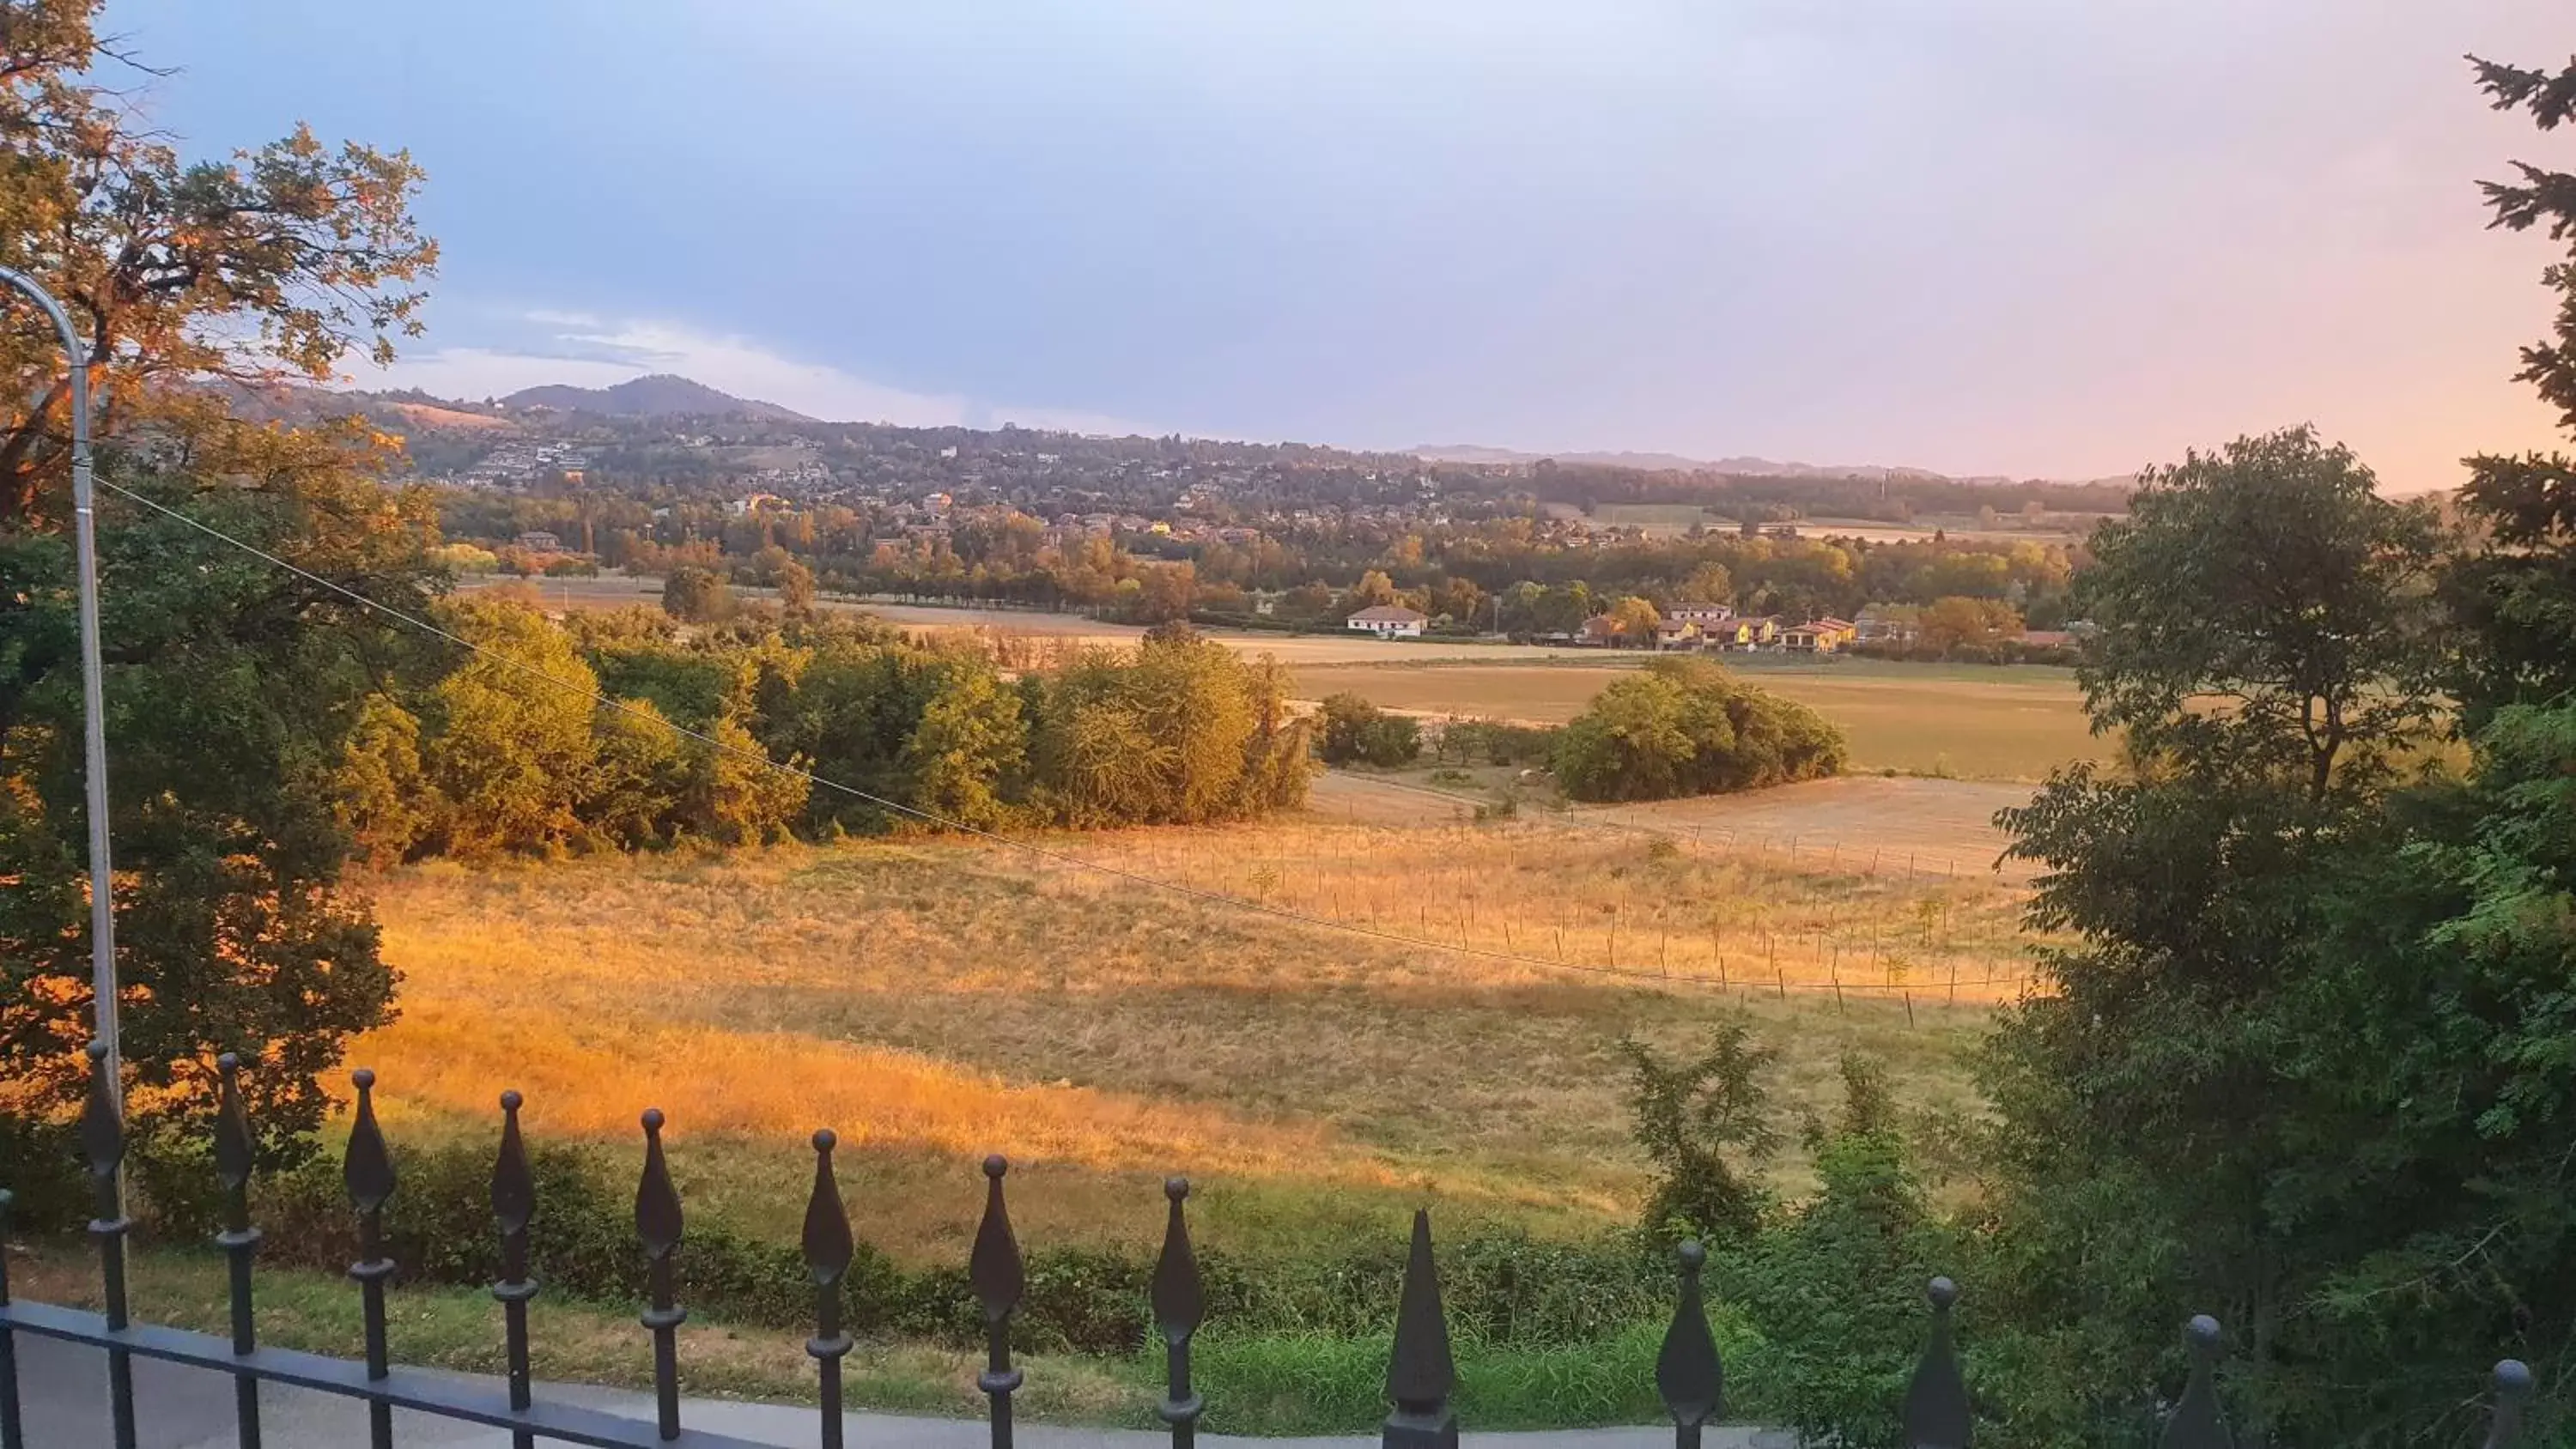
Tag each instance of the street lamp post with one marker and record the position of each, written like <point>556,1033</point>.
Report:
<point>102,900</point>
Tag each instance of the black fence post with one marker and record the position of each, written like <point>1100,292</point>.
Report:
<point>102,1134</point>
<point>514,1205</point>
<point>1180,1305</point>
<point>999,1281</point>
<point>1420,1372</point>
<point>1936,1403</point>
<point>1687,1372</point>
<point>367,1170</point>
<point>13,1431</point>
<point>2512,1392</point>
<point>239,1240</point>
<point>828,1250</point>
<point>2198,1422</point>
<point>657,1222</point>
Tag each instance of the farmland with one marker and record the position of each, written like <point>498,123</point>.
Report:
<point>1973,721</point>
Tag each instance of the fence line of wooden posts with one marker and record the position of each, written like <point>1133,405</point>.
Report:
<point>1448,913</point>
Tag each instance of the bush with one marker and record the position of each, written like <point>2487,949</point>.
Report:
<point>1703,1122</point>
<point>1358,731</point>
<point>1502,1288</point>
<point>1496,742</point>
<point>1687,727</point>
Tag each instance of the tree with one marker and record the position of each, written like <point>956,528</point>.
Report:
<point>1636,619</point>
<point>695,595</point>
<point>1704,1123</point>
<point>2271,576</point>
<point>271,265</point>
<point>232,689</point>
<point>795,587</point>
<point>510,750</point>
<point>2180,1116</point>
<point>1956,622</point>
<point>970,749</point>
<point>380,795</point>
<point>1373,589</point>
<point>638,774</point>
<point>731,792</point>
<point>1168,592</point>
<point>1709,583</point>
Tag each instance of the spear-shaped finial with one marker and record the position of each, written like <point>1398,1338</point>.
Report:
<point>1420,1373</point>
<point>1687,1372</point>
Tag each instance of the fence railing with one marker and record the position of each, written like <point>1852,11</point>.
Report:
<point>1421,1375</point>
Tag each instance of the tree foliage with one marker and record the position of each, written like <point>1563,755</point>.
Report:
<point>2268,579</point>
<point>1358,732</point>
<point>272,264</point>
<point>1704,1123</point>
<point>2306,1064</point>
<point>231,686</point>
<point>1688,727</point>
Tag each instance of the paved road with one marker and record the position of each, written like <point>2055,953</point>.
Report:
<point>65,1391</point>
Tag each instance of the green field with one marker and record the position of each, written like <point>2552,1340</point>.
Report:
<point>1972,721</point>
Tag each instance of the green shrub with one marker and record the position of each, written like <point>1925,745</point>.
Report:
<point>1687,727</point>
<point>1505,1288</point>
<point>1356,731</point>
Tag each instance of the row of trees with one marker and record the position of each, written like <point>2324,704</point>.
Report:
<point>1456,573</point>
<point>774,727</point>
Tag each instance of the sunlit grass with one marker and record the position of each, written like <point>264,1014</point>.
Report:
<point>934,999</point>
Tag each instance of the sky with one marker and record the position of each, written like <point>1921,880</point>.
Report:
<point>2024,237</point>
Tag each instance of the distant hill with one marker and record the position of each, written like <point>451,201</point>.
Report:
<point>1675,463</point>
<point>658,395</point>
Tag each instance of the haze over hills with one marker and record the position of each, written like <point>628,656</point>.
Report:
<point>1473,453</point>
<point>655,395</point>
<point>666,396</point>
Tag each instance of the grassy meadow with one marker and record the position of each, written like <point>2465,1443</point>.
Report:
<point>934,1000</point>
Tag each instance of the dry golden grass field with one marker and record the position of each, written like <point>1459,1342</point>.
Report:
<point>935,999</point>
<point>1976,722</point>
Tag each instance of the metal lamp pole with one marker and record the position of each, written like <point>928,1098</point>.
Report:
<point>102,881</point>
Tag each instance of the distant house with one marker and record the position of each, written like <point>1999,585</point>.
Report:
<point>1704,616</point>
<point>537,540</point>
<point>1672,633</point>
<point>1886,624</point>
<point>1746,632</point>
<point>1601,629</point>
<point>1810,639</point>
<point>1389,621</point>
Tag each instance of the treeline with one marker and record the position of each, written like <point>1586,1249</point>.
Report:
<point>721,735</point>
<point>1498,577</point>
<point>1309,575</point>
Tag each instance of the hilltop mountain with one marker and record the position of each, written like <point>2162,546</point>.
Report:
<point>658,395</point>
<point>1674,463</point>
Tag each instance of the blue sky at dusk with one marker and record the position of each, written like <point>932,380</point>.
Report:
<point>2019,236</point>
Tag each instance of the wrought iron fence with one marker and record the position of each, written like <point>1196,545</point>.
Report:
<point>1421,1374</point>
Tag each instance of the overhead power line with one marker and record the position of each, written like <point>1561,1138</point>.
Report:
<point>1133,877</point>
